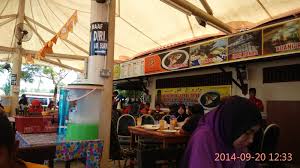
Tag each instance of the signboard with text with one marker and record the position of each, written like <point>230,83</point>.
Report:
<point>282,38</point>
<point>99,39</point>
<point>245,45</point>
<point>192,95</point>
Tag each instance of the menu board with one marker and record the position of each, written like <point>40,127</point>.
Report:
<point>245,45</point>
<point>130,69</point>
<point>207,96</point>
<point>282,38</point>
<point>116,71</point>
<point>208,53</point>
<point>124,70</point>
<point>175,59</point>
<point>138,67</point>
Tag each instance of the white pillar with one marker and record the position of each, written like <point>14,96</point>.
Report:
<point>103,13</point>
<point>17,62</point>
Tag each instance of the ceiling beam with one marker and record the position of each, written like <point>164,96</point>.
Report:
<point>206,7</point>
<point>54,33</point>
<point>59,64</point>
<point>54,55</point>
<point>8,16</point>
<point>191,27</point>
<point>214,22</point>
<point>7,49</point>
<point>264,8</point>
<point>59,56</point>
<point>6,21</point>
<point>35,31</point>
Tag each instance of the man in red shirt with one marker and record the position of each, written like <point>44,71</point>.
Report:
<point>256,101</point>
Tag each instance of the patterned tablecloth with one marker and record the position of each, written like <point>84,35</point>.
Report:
<point>91,150</point>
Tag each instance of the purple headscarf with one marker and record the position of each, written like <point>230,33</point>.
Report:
<point>216,133</point>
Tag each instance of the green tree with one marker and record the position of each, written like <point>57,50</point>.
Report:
<point>6,87</point>
<point>56,75</point>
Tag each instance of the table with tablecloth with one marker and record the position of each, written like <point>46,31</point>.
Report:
<point>90,150</point>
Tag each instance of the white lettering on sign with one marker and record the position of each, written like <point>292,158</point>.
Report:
<point>99,36</point>
<point>97,26</point>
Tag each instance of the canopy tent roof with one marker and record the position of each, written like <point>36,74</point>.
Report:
<point>141,25</point>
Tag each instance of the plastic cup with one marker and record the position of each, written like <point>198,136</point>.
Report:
<point>161,124</point>
<point>139,121</point>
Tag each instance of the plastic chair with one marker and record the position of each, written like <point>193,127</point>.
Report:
<point>270,139</point>
<point>147,119</point>
<point>124,136</point>
<point>122,128</point>
<point>269,144</point>
<point>167,118</point>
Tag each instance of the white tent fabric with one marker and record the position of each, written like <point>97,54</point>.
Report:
<point>141,25</point>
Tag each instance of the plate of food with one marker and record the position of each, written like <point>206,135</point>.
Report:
<point>150,127</point>
<point>177,128</point>
<point>168,131</point>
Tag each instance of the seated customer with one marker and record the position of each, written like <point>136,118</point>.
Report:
<point>181,113</point>
<point>146,109</point>
<point>228,129</point>
<point>51,105</point>
<point>157,113</point>
<point>173,110</point>
<point>191,124</point>
<point>8,148</point>
<point>35,107</point>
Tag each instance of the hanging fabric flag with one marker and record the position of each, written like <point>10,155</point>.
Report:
<point>62,34</point>
<point>70,26</point>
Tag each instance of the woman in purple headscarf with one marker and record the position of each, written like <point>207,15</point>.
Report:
<point>226,131</point>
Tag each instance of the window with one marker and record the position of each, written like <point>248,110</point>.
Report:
<point>194,81</point>
<point>287,73</point>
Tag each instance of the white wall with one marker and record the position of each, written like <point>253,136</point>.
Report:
<point>265,92</point>
<point>288,91</point>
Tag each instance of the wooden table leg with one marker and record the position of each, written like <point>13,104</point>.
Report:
<point>132,142</point>
<point>164,144</point>
<point>68,164</point>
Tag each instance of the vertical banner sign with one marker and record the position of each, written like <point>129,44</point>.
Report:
<point>99,38</point>
<point>13,79</point>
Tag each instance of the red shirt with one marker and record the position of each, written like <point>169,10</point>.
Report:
<point>36,106</point>
<point>258,103</point>
<point>145,110</point>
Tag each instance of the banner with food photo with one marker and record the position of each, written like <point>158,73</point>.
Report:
<point>245,45</point>
<point>153,64</point>
<point>208,96</point>
<point>175,59</point>
<point>209,53</point>
<point>282,38</point>
<point>116,71</point>
<point>138,67</point>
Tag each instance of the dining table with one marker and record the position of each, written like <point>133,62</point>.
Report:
<point>66,150</point>
<point>166,142</point>
<point>159,135</point>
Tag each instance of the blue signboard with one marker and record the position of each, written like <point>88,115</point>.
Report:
<point>99,39</point>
